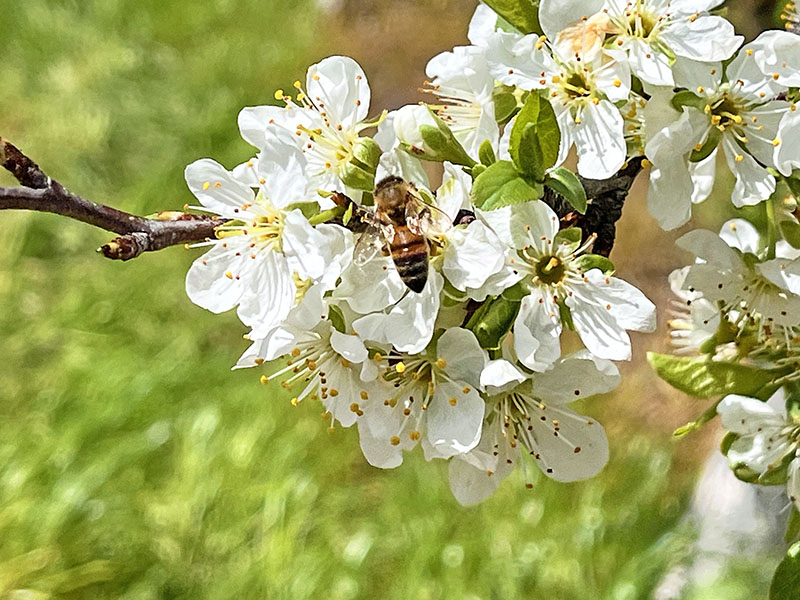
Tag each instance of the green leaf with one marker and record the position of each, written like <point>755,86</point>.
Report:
<point>535,138</point>
<point>566,183</point>
<point>522,14</point>
<point>587,262</point>
<point>549,133</point>
<point>702,378</point>
<point>786,581</point>
<point>711,143</point>
<point>486,153</point>
<point>505,103</point>
<point>501,185</point>
<point>336,317</point>
<point>348,214</point>
<point>527,154</point>
<point>492,321</point>
<point>687,98</point>
<point>571,237</point>
<point>793,526</point>
<point>708,415</point>
<point>791,233</point>
<point>793,181</point>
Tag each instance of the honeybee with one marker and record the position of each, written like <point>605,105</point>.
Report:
<point>401,222</point>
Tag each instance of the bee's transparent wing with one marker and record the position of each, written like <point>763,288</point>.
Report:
<point>369,244</point>
<point>426,219</point>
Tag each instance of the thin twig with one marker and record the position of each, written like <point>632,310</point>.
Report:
<point>137,234</point>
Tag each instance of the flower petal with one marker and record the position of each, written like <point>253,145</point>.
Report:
<point>568,446</point>
<point>454,418</point>
<point>579,375</point>
<point>338,86</point>
<point>217,189</point>
<point>463,355</point>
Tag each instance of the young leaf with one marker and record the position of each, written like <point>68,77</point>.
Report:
<point>486,153</point>
<point>587,262</point>
<point>708,415</point>
<point>493,321</point>
<point>336,317</point>
<point>565,182</point>
<point>535,138</point>
<point>792,527</point>
<point>571,236</point>
<point>786,580</point>
<point>687,98</point>
<point>791,233</point>
<point>522,14</point>
<point>501,185</point>
<point>702,378</point>
<point>711,143</point>
<point>505,103</point>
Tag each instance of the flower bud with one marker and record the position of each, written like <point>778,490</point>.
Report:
<point>424,135</point>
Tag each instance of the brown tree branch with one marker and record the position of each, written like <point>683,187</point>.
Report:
<point>137,234</point>
<point>606,199</point>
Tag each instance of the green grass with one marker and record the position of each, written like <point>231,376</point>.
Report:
<point>135,464</point>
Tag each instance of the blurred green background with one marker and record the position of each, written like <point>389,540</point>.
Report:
<point>134,464</point>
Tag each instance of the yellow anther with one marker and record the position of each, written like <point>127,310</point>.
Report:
<point>776,142</point>
<point>297,84</point>
<point>700,89</point>
<point>354,407</point>
<point>646,164</point>
<point>259,361</point>
<point>228,274</point>
<point>295,402</point>
<point>278,94</point>
<point>206,185</point>
<point>466,390</point>
<point>394,440</point>
<point>264,379</point>
<point>295,352</point>
<point>334,392</point>
<point>345,363</point>
<point>453,401</point>
<point>739,158</point>
<point>617,82</point>
<point>378,356</point>
<point>441,363</point>
<point>400,367</point>
<point>364,395</point>
<point>414,435</point>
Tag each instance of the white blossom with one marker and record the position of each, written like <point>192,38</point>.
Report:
<point>602,307</point>
<point>326,119</point>
<point>433,397</point>
<point>532,418</point>
<point>766,438</point>
<point>582,90</point>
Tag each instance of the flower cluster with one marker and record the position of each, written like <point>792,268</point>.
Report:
<point>433,315</point>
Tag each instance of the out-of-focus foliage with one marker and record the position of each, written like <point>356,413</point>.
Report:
<point>135,464</point>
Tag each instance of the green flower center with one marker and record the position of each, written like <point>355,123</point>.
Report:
<point>550,269</point>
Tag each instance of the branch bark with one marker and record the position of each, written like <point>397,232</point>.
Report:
<point>137,234</point>
<point>606,199</point>
<point>142,234</point>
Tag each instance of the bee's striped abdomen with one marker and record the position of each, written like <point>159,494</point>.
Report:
<point>410,255</point>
